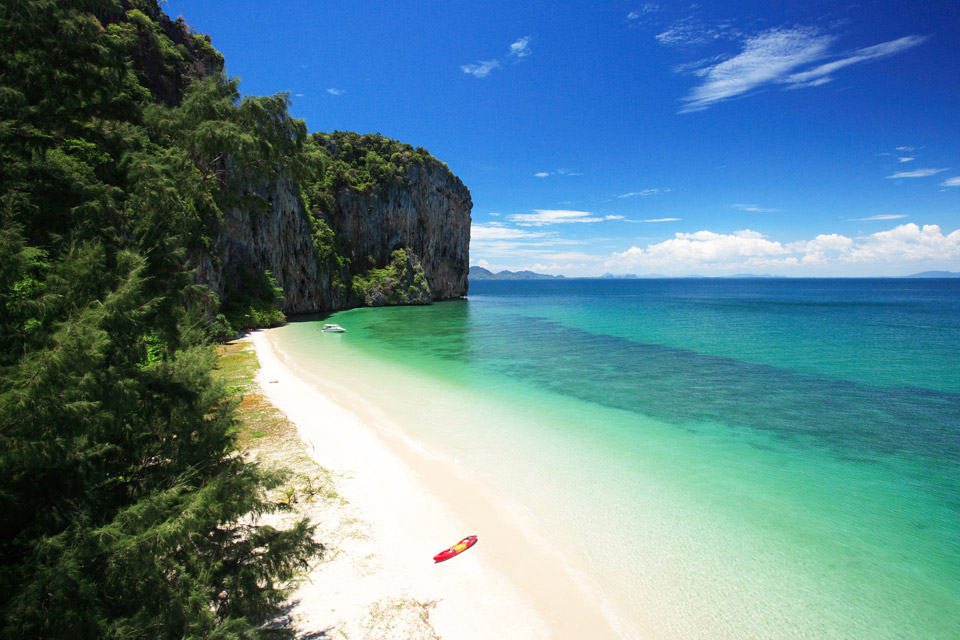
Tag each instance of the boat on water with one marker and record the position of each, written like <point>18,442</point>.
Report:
<point>456,549</point>
<point>333,328</point>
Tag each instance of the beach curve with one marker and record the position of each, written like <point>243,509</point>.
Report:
<point>513,584</point>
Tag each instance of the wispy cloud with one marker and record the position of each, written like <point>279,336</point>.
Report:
<point>649,7</point>
<point>951,182</point>
<point>542,217</point>
<point>919,173</point>
<point>778,57</point>
<point>906,149</point>
<point>753,208</point>
<point>692,31</point>
<point>882,216</point>
<point>481,69</point>
<point>821,74</point>
<point>906,159</point>
<point>558,172</point>
<point>519,50</point>
<point>336,92</point>
<point>662,220</point>
<point>643,193</point>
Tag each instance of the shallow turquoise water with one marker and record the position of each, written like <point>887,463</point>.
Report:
<point>725,458</point>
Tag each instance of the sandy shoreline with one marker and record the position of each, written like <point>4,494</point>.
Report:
<point>512,584</point>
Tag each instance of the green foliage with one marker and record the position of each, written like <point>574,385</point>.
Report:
<point>402,281</point>
<point>127,511</point>
<point>362,162</point>
<point>253,301</point>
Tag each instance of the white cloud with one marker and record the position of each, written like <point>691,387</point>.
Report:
<point>753,208</point>
<point>642,11</point>
<point>906,159</point>
<point>520,48</point>
<point>613,217</point>
<point>336,92</point>
<point>951,182</point>
<point>559,172</point>
<point>821,74</point>
<point>919,173</point>
<point>906,149</point>
<point>497,232</point>
<point>907,242</point>
<point>662,220</point>
<point>542,217</point>
<point>482,69</point>
<point>882,216</point>
<point>904,245</point>
<point>778,56</point>
<point>692,31</point>
<point>644,192</point>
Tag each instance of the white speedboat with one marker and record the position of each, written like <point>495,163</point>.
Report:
<point>333,328</point>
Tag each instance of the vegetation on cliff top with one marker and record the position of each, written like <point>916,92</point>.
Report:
<point>366,163</point>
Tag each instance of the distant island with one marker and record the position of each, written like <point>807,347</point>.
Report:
<point>479,273</point>
<point>935,274</point>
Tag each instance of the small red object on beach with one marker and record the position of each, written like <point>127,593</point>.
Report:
<point>460,547</point>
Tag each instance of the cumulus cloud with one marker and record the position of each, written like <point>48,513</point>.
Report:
<point>919,173</point>
<point>687,252</point>
<point>520,48</point>
<point>908,242</point>
<point>778,57</point>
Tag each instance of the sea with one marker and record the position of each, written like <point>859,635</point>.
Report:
<point>723,458</point>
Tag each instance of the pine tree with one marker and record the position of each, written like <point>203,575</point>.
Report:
<point>127,511</point>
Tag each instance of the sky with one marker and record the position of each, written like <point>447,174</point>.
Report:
<point>814,139</point>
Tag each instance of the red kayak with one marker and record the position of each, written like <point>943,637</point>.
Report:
<point>460,547</point>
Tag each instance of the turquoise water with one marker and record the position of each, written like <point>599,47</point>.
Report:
<point>724,458</point>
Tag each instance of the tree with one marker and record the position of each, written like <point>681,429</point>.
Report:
<point>127,511</point>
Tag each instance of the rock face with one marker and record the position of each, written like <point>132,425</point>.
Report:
<point>427,213</point>
<point>277,240</point>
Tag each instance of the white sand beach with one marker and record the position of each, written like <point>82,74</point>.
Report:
<point>513,583</point>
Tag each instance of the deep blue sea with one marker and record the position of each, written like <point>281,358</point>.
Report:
<point>725,458</point>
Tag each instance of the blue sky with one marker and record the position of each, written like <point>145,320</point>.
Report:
<point>794,138</point>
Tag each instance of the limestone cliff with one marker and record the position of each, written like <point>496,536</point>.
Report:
<point>332,251</point>
<point>427,212</point>
<point>277,240</point>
